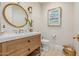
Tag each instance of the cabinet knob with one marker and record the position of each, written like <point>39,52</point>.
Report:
<point>29,49</point>
<point>28,40</point>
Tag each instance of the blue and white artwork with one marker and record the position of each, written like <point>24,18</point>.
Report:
<point>54,16</point>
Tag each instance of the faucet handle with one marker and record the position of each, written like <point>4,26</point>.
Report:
<point>25,30</point>
<point>20,30</point>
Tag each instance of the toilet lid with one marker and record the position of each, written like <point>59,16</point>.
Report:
<point>44,40</point>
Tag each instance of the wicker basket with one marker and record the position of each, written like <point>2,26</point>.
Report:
<point>69,51</point>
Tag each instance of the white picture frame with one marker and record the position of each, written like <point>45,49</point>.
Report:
<point>54,16</point>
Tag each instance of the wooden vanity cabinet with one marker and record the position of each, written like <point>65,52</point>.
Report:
<point>20,47</point>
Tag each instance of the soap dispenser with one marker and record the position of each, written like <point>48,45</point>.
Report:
<point>3,28</point>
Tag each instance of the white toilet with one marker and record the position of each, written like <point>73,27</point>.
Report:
<point>50,45</point>
<point>45,44</point>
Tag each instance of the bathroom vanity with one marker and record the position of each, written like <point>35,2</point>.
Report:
<point>20,44</point>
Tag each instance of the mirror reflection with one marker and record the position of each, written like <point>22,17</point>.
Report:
<point>15,15</point>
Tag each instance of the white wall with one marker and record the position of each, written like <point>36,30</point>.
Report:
<point>64,33</point>
<point>76,25</point>
<point>76,18</point>
<point>36,12</point>
<point>39,16</point>
<point>0,17</point>
<point>35,17</point>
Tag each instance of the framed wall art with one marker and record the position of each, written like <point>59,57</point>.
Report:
<point>54,16</point>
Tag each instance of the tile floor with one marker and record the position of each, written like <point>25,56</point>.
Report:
<point>53,52</point>
<point>56,50</point>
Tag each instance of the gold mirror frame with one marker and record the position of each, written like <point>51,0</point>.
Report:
<point>4,15</point>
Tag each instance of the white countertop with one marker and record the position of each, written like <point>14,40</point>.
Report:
<point>11,36</point>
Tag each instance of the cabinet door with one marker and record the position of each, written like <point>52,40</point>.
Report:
<point>34,42</point>
<point>23,46</point>
<point>0,49</point>
<point>12,47</point>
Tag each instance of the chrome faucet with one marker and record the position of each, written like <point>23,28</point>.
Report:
<point>20,31</point>
<point>15,31</point>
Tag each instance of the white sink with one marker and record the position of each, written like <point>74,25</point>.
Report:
<point>4,37</point>
<point>12,36</point>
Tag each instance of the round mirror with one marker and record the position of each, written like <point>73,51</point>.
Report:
<point>15,15</point>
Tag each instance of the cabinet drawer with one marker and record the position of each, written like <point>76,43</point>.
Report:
<point>34,43</point>
<point>15,45</point>
<point>21,47</point>
<point>34,40</point>
<point>23,51</point>
<point>16,41</point>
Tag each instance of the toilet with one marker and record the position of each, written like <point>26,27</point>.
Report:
<point>47,43</point>
<point>44,44</point>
